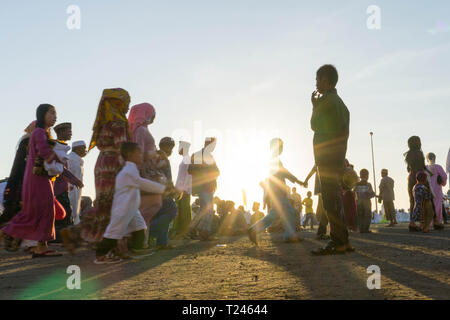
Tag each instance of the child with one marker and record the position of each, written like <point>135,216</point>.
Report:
<point>125,215</point>
<point>296,202</point>
<point>240,225</point>
<point>349,179</point>
<point>278,193</point>
<point>330,122</point>
<point>364,193</point>
<point>159,226</point>
<point>257,215</point>
<point>308,203</point>
<point>423,205</point>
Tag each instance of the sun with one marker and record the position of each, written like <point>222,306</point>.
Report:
<point>242,168</point>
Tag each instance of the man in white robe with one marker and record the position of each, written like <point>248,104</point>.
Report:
<point>184,183</point>
<point>76,166</point>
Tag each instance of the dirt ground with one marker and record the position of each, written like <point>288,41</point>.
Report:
<point>413,266</point>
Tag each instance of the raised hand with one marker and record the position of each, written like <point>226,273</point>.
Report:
<point>314,98</point>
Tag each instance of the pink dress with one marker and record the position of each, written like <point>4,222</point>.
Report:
<point>437,170</point>
<point>36,221</point>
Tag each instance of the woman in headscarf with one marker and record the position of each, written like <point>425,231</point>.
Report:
<point>13,190</point>
<point>141,116</point>
<point>109,132</point>
<point>36,221</point>
<point>415,161</point>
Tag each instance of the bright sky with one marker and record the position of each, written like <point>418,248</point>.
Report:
<point>241,70</point>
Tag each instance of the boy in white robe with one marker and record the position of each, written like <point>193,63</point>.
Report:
<point>125,216</point>
<point>76,166</point>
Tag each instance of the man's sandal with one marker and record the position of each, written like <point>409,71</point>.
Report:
<point>46,254</point>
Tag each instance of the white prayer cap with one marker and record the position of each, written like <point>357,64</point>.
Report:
<point>79,143</point>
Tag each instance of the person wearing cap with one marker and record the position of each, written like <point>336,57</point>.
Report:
<point>61,187</point>
<point>387,196</point>
<point>76,166</point>
<point>184,183</point>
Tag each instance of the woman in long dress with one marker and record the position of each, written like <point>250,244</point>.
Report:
<point>36,221</point>
<point>438,180</point>
<point>13,191</point>
<point>109,132</point>
<point>140,117</point>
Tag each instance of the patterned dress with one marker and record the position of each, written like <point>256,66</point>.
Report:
<point>95,221</point>
<point>423,208</point>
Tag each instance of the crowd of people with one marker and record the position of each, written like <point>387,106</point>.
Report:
<point>138,208</point>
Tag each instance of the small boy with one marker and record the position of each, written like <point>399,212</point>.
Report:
<point>364,193</point>
<point>308,203</point>
<point>239,222</point>
<point>125,215</point>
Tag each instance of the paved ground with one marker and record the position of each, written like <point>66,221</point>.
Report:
<point>413,266</point>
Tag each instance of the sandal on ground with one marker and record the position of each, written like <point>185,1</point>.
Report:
<point>107,260</point>
<point>438,227</point>
<point>414,229</point>
<point>46,254</point>
<point>141,252</point>
<point>329,249</point>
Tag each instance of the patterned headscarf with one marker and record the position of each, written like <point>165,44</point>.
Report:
<point>139,114</point>
<point>31,127</point>
<point>112,107</point>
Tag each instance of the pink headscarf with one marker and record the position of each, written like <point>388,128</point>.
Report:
<point>139,114</point>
